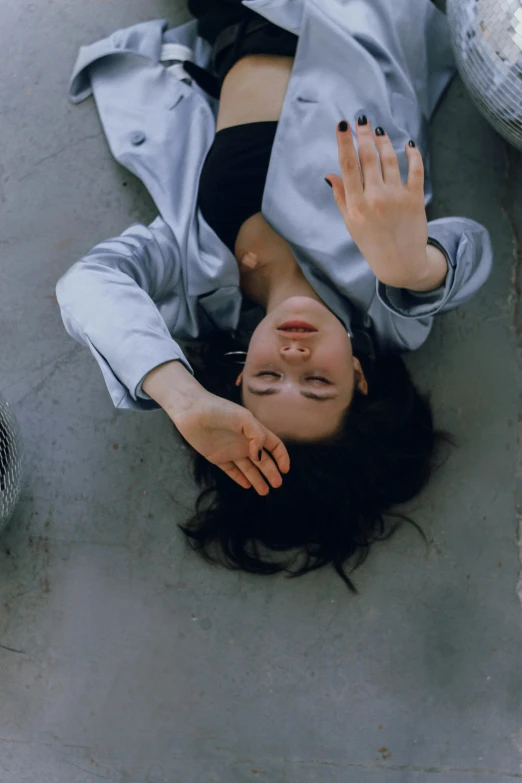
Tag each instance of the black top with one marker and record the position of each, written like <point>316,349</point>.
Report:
<point>233,176</point>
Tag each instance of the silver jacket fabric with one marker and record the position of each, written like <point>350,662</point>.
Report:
<point>132,298</point>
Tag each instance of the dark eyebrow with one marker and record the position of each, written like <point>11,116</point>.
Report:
<point>309,395</point>
<point>263,393</point>
<point>313,396</point>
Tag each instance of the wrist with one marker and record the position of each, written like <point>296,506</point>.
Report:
<point>433,273</point>
<point>173,387</point>
<point>429,274</point>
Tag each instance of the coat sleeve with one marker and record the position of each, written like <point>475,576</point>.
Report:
<point>116,301</point>
<point>467,247</point>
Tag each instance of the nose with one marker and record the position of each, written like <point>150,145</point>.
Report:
<point>294,353</point>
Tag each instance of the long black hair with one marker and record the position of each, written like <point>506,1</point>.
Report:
<point>339,495</point>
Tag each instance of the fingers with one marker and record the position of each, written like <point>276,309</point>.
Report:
<point>268,468</point>
<point>349,163</point>
<point>247,475</point>
<point>360,169</point>
<point>374,162</point>
<point>236,475</point>
<point>262,441</point>
<point>391,172</point>
<point>258,437</point>
<point>278,450</point>
<point>253,475</point>
<point>265,464</point>
<point>368,155</point>
<point>415,168</point>
<point>268,456</point>
<point>256,441</point>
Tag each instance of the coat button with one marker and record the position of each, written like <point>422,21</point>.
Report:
<point>137,138</point>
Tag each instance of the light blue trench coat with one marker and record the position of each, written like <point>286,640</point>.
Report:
<point>133,296</point>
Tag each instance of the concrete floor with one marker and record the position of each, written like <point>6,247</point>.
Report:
<point>133,661</point>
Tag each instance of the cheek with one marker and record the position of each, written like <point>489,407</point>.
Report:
<point>261,347</point>
<point>337,359</point>
<point>337,352</point>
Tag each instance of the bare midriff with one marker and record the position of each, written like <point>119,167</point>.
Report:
<point>253,91</point>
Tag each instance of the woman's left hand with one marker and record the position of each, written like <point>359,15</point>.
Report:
<point>386,218</point>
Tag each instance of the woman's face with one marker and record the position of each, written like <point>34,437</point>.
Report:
<point>300,374</point>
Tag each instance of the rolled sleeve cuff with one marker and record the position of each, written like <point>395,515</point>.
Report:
<point>127,392</point>
<point>138,391</point>
<point>418,304</point>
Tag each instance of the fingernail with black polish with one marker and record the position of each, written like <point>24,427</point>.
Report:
<point>259,455</point>
<point>343,126</point>
<point>328,182</point>
<point>362,120</point>
<point>379,131</point>
<point>412,143</point>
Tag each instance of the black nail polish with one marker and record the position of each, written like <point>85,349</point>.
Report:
<point>343,126</point>
<point>259,455</point>
<point>362,120</point>
<point>328,182</point>
<point>412,143</point>
<point>379,131</point>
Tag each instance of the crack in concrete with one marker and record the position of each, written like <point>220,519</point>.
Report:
<point>87,771</point>
<point>55,365</point>
<point>3,180</point>
<point>411,768</point>
<point>32,368</point>
<point>386,767</point>
<point>11,649</point>
<point>57,154</point>
<point>377,766</point>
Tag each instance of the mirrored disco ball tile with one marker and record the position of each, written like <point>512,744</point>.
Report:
<point>501,25</point>
<point>487,42</point>
<point>11,462</point>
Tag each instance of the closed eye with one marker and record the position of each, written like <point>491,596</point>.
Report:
<point>276,375</point>
<point>310,395</point>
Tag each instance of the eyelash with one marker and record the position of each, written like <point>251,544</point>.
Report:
<point>310,378</point>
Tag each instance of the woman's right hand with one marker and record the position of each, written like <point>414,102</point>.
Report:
<point>226,434</point>
<point>229,436</point>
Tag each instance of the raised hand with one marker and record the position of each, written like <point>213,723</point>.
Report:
<point>230,437</point>
<point>226,434</point>
<point>386,218</point>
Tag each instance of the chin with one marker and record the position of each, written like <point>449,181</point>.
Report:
<point>298,304</point>
<point>302,308</point>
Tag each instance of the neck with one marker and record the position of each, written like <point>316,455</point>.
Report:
<point>295,284</point>
<point>271,282</point>
<point>276,276</point>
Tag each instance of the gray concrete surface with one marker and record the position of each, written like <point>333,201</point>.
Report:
<point>125,658</point>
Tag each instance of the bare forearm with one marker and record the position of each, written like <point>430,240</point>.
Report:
<point>172,386</point>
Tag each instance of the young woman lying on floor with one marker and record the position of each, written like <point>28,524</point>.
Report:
<point>306,426</point>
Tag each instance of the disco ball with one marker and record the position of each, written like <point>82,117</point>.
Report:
<point>10,462</point>
<point>487,41</point>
